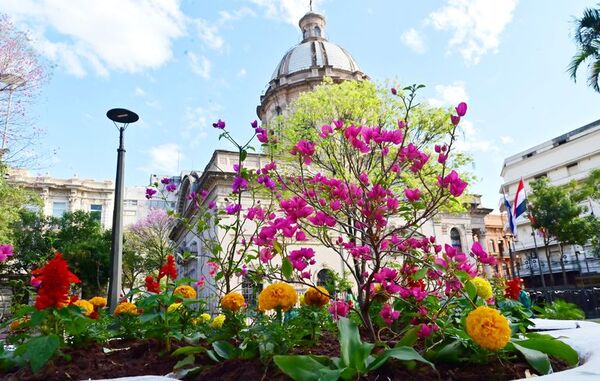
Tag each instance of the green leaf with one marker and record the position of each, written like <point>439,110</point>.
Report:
<point>471,290</point>
<point>450,352</point>
<point>410,337</point>
<point>187,360</point>
<point>148,317</point>
<point>187,350</point>
<point>277,248</point>
<point>39,350</point>
<point>538,360</point>
<point>354,352</point>
<point>243,155</point>
<point>286,268</point>
<point>306,368</point>
<point>399,353</point>
<point>550,346</point>
<point>212,355</point>
<point>420,274</point>
<point>224,349</point>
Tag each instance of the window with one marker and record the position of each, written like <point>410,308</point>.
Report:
<point>129,213</point>
<point>130,202</point>
<point>250,290</point>
<point>96,212</point>
<point>572,169</point>
<point>58,209</point>
<point>492,246</point>
<point>455,239</point>
<point>317,31</point>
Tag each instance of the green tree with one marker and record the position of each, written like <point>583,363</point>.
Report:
<point>32,243</point>
<point>86,246</point>
<point>557,213</point>
<point>13,200</point>
<point>364,103</point>
<point>587,39</point>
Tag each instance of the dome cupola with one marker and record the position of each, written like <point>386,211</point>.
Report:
<point>305,65</point>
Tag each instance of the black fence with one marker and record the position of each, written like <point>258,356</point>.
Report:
<point>588,299</point>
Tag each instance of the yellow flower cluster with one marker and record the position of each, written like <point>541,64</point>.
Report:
<point>15,325</point>
<point>233,301</point>
<point>173,307</point>
<point>126,308</point>
<point>277,295</point>
<point>204,318</point>
<point>86,307</point>
<point>98,302</point>
<point>488,328</point>
<point>316,297</point>
<point>218,321</point>
<point>484,288</point>
<point>185,291</point>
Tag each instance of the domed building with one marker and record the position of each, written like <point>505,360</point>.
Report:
<point>304,66</point>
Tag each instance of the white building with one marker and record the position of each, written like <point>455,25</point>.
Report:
<point>568,157</point>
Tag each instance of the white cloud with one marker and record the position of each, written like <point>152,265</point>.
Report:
<point>227,16</point>
<point>449,95</point>
<point>196,122</point>
<point>506,139</point>
<point>242,73</point>
<point>200,65</point>
<point>413,40</point>
<point>139,92</point>
<point>476,25</point>
<point>289,11</point>
<point>123,35</point>
<point>471,139</point>
<point>209,34</point>
<point>164,158</point>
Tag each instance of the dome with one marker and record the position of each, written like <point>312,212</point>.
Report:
<point>315,54</point>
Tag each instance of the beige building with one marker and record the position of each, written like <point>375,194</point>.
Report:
<point>568,157</point>
<point>301,69</point>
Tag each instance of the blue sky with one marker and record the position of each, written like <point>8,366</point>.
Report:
<point>182,64</point>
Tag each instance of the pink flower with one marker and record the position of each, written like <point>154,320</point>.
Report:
<point>233,208</point>
<point>219,124</point>
<point>244,270</point>
<point>150,192</point>
<point>171,187</point>
<point>388,314</point>
<point>239,184</point>
<point>461,109</point>
<point>394,91</point>
<point>201,282</point>
<point>455,119</point>
<point>338,309</point>
<point>265,255</point>
<point>306,149</point>
<point>482,255</point>
<point>35,282</point>
<point>254,123</point>
<point>326,130</point>
<point>412,195</point>
<point>301,258</point>
<point>213,268</point>
<point>165,180</point>
<point>212,204</point>
<point>5,252</point>
<point>261,135</point>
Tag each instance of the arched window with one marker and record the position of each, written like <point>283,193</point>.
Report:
<point>278,110</point>
<point>317,31</point>
<point>326,279</point>
<point>455,239</point>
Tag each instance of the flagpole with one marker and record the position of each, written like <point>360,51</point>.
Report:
<point>510,251</point>
<point>537,254</point>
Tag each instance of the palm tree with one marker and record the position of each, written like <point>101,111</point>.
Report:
<point>587,38</point>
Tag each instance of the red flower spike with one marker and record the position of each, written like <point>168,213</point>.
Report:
<point>56,283</point>
<point>168,269</point>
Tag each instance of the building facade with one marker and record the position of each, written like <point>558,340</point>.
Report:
<point>568,157</point>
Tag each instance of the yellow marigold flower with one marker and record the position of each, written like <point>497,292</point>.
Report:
<point>218,321</point>
<point>98,302</point>
<point>174,307</point>
<point>484,288</point>
<point>233,301</point>
<point>301,300</point>
<point>204,318</point>
<point>16,324</point>
<point>316,297</point>
<point>185,291</point>
<point>488,328</point>
<point>277,295</point>
<point>86,307</point>
<point>126,308</point>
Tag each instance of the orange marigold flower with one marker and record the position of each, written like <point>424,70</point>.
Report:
<point>277,295</point>
<point>86,307</point>
<point>185,291</point>
<point>233,301</point>
<point>98,302</point>
<point>56,281</point>
<point>126,308</point>
<point>15,325</point>
<point>488,328</point>
<point>316,297</point>
<point>168,269</point>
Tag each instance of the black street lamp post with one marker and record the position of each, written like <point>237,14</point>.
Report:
<point>123,117</point>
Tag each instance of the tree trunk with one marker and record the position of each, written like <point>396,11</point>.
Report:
<point>562,264</point>
<point>549,263</point>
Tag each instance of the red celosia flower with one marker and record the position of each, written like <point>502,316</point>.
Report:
<point>56,281</point>
<point>513,288</point>
<point>168,269</point>
<point>152,285</point>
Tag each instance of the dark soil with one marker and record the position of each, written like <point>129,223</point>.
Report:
<point>135,358</point>
<point>147,358</point>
